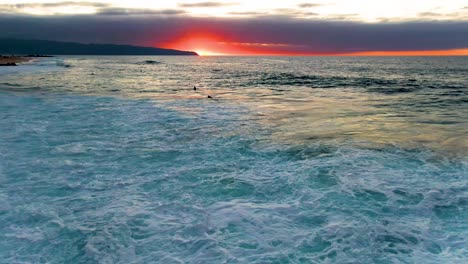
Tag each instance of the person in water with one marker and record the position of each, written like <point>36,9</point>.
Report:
<point>195,88</point>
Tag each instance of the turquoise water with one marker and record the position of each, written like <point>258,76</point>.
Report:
<point>295,160</point>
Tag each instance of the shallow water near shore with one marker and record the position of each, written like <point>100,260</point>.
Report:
<point>295,160</point>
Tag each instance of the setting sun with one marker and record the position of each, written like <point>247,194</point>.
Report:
<point>205,44</point>
<point>207,53</point>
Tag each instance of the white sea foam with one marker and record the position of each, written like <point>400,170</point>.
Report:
<point>180,179</point>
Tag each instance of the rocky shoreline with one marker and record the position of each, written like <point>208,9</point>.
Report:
<point>13,60</point>
<point>16,60</point>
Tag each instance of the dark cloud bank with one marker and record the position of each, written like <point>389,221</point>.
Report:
<point>318,36</point>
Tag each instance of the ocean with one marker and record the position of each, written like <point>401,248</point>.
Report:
<point>292,160</point>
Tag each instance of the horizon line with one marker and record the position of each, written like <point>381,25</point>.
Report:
<point>404,53</point>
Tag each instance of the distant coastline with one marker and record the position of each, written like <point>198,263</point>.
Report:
<point>46,47</point>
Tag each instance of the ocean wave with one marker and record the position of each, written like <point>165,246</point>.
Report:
<point>151,62</point>
<point>62,63</point>
<point>11,84</point>
<point>377,85</point>
<point>370,171</point>
<point>94,179</point>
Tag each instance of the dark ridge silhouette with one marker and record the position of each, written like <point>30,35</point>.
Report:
<point>45,47</point>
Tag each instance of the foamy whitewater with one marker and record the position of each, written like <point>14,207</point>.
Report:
<point>293,160</point>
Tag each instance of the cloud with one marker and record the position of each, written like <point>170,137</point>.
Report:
<point>294,35</point>
<point>52,8</point>
<point>205,4</point>
<point>462,16</point>
<point>58,4</point>
<point>99,7</point>
<point>248,13</point>
<point>344,17</point>
<point>309,5</point>
<point>117,11</point>
<point>289,12</point>
<point>429,14</point>
<point>279,13</point>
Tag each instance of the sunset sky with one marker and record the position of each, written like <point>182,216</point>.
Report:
<point>239,27</point>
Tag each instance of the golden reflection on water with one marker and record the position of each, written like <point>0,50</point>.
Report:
<point>332,115</point>
<point>324,118</point>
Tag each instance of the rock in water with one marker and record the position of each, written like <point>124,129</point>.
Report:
<point>9,64</point>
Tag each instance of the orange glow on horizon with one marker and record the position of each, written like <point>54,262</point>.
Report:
<point>204,44</point>
<point>453,52</point>
<point>211,44</point>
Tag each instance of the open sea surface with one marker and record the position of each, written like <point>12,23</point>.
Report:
<point>293,160</point>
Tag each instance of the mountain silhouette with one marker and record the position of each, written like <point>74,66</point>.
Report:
<point>46,47</point>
